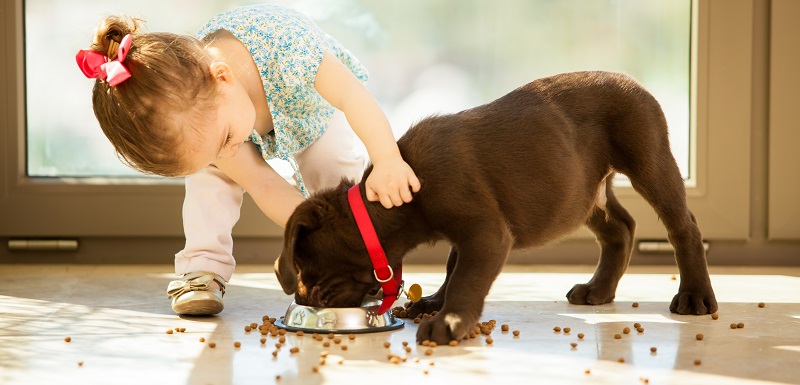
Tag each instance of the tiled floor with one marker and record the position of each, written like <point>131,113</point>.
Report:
<point>116,318</point>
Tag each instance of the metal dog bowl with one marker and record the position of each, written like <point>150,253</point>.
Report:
<point>364,319</point>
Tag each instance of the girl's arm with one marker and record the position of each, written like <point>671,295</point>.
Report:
<point>273,194</point>
<point>392,179</point>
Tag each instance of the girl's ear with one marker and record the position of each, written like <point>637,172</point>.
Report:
<point>221,71</point>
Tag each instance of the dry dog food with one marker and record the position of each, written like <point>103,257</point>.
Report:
<point>761,304</point>
<point>453,343</point>
<point>740,325</point>
<point>734,326</point>
<point>426,342</point>
<point>428,352</point>
<point>574,344</point>
<point>169,331</point>
<point>617,336</point>
<point>697,362</point>
<point>247,328</point>
<point>282,339</point>
<point>557,329</point>
<point>294,350</point>
<point>299,333</point>
<point>67,339</point>
<point>237,344</point>
<point>489,340</point>
<point>263,340</point>
<point>344,347</point>
<point>621,360</point>
<point>516,333</point>
<point>626,330</point>
<point>504,327</point>
<point>640,330</point>
<point>635,304</point>
<point>326,344</point>
<point>580,336</point>
<point>699,337</point>
<point>567,330</point>
<point>653,349</point>
<point>637,325</point>
<point>387,344</point>
<point>715,316</point>
<point>212,345</point>
<point>253,325</point>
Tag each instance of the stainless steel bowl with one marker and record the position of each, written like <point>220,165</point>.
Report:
<point>364,319</point>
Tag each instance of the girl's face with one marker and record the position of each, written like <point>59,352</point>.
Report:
<point>231,123</point>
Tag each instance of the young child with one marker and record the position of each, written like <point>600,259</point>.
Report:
<point>258,83</point>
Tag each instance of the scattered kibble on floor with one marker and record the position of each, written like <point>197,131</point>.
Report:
<point>699,337</point>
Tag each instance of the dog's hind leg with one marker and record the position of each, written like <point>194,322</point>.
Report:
<point>662,186</point>
<point>614,228</point>
<point>434,301</point>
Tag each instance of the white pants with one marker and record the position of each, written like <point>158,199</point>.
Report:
<point>213,201</point>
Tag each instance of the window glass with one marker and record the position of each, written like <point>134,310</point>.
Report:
<point>424,57</point>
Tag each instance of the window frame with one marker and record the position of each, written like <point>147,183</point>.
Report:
<point>125,207</point>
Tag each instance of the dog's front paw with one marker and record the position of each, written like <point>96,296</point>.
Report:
<point>695,302</point>
<point>445,327</point>
<point>425,305</point>
<point>590,294</point>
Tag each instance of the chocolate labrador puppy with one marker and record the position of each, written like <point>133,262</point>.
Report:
<point>524,170</point>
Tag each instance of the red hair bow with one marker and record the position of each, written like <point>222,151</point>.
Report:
<point>97,66</point>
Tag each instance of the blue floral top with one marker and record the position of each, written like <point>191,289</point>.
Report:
<point>287,48</point>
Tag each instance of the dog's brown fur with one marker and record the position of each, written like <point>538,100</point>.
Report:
<point>522,171</point>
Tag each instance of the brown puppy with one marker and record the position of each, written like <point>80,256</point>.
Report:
<point>522,171</point>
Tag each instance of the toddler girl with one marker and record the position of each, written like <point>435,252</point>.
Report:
<point>258,83</point>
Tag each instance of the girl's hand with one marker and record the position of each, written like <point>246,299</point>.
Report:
<point>391,182</point>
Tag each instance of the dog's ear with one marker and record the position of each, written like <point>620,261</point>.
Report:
<point>304,219</point>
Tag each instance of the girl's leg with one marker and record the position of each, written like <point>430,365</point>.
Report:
<point>210,209</point>
<point>336,154</point>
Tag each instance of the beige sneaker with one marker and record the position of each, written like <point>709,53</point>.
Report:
<point>198,293</point>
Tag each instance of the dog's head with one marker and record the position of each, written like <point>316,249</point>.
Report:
<point>324,261</point>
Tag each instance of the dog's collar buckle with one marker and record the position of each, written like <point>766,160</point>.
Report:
<point>392,285</point>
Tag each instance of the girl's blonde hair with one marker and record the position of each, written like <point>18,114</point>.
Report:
<point>141,116</point>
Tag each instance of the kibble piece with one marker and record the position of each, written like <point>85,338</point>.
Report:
<point>182,330</point>
<point>278,345</point>
<point>263,340</point>
<point>489,340</point>
<point>330,336</point>
<point>425,372</point>
<point>453,343</point>
<point>282,339</point>
<point>617,336</point>
<point>202,339</point>
<point>637,325</point>
<point>580,336</point>
<point>212,345</point>
<point>504,327</point>
<point>282,332</point>
<point>587,371</point>
<point>699,337</point>
<point>323,353</point>
<point>407,349</point>
<point>326,344</point>
<point>640,330</point>
<point>387,344</point>
<point>344,347</point>
<point>635,304</point>
<point>626,330</point>
<point>715,316</point>
<point>432,344</point>
<point>237,344</point>
<point>247,328</point>
<point>80,363</point>
<point>697,362</point>
<point>428,352</point>
<point>253,325</point>
<point>734,326</point>
<point>673,277</point>
<point>337,340</point>
<point>431,363</point>
<point>573,344</point>
<point>567,330</point>
<point>740,325</point>
<point>516,333</point>
<point>341,362</point>
<point>315,369</point>
<point>275,353</point>
<point>278,377</point>
<point>426,342</point>
<point>169,331</point>
<point>395,360</point>
<point>405,343</point>
<point>351,336</point>
<point>761,304</point>
<point>67,339</point>
<point>620,360</point>
<point>299,333</point>
<point>294,350</point>
<point>557,329</point>
<point>653,349</point>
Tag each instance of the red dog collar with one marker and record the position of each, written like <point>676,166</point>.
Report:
<point>392,279</point>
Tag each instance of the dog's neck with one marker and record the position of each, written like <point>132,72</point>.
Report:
<point>400,229</point>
